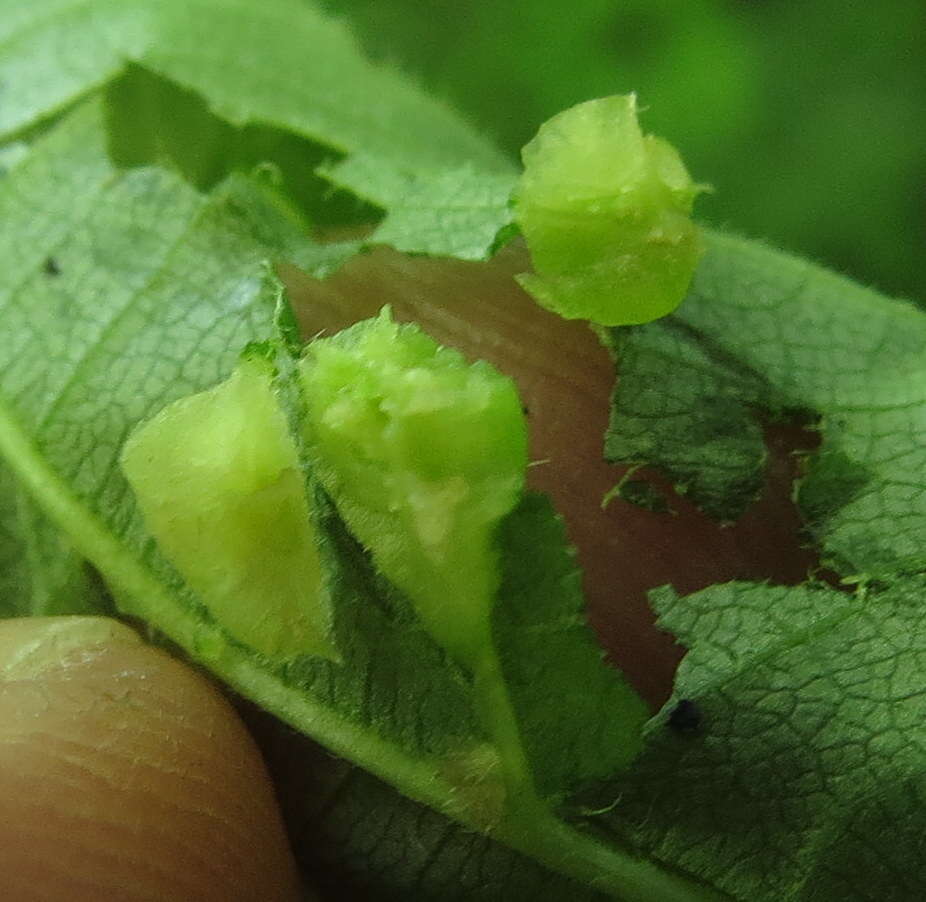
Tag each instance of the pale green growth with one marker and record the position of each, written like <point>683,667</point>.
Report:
<point>218,481</point>
<point>477,776</point>
<point>423,455</point>
<point>605,211</point>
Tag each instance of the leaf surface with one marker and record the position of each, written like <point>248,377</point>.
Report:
<point>449,212</point>
<point>154,292</point>
<point>805,774</point>
<point>580,719</point>
<point>763,334</point>
<point>373,844</point>
<point>319,86</point>
<point>123,289</point>
<point>41,574</point>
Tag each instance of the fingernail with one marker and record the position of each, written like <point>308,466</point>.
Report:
<point>31,646</point>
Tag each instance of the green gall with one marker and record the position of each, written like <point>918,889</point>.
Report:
<point>423,454</point>
<point>605,211</point>
<point>218,481</point>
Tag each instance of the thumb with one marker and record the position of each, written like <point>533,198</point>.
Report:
<point>124,775</point>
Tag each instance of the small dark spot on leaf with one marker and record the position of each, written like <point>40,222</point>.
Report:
<point>685,717</point>
<point>51,267</point>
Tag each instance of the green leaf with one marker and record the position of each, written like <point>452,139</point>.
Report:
<point>169,102</point>
<point>11,154</point>
<point>121,291</point>
<point>64,377</point>
<point>319,86</point>
<point>361,839</point>
<point>579,718</point>
<point>153,121</point>
<point>764,332</point>
<point>453,213</point>
<point>805,777</point>
<point>40,572</point>
<point>135,318</point>
<point>450,212</point>
<point>395,676</point>
<point>155,290</point>
<point>77,369</point>
<point>56,51</point>
<point>685,407</point>
<point>394,684</point>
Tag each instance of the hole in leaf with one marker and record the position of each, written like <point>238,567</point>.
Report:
<point>153,121</point>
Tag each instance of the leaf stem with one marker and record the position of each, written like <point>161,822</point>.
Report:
<point>531,827</point>
<point>615,872</point>
<point>496,710</point>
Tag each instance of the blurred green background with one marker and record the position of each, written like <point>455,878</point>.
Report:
<point>807,117</point>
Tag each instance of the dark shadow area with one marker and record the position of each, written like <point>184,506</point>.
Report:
<point>154,121</point>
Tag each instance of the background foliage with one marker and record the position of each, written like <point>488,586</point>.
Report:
<point>785,107</point>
